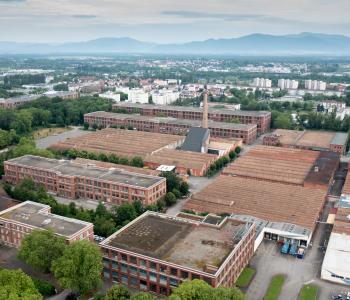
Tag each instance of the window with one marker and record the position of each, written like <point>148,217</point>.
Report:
<point>124,257</point>
<point>173,282</point>
<point>142,262</point>
<point>132,259</point>
<point>163,279</point>
<point>184,274</point>
<point>153,277</point>
<point>124,268</point>
<point>134,282</point>
<point>143,273</point>
<point>153,265</point>
<point>173,271</point>
<point>124,279</point>
<point>162,268</point>
<point>133,270</point>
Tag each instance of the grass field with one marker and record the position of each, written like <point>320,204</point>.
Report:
<point>308,292</point>
<point>275,288</point>
<point>245,278</point>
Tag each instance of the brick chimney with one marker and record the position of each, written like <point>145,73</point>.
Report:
<point>205,110</point>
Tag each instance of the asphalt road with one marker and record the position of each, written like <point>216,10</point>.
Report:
<point>50,140</point>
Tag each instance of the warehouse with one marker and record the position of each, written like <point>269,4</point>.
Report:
<point>292,211</point>
<point>261,118</point>
<point>308,139</point>
<point>123,143</point>
<point>336,263</point>
<point>154,148</point>
<point>306,168</point>
<point>168,125</point>
<point>18,221</point>
<point>157,252</point>
<point>186,162</point>
<point>73,180</point>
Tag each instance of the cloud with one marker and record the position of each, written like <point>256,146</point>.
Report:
<point>83,16</point>
<point>203,15</point>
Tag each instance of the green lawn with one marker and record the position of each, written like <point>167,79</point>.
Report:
<point>245,278</point>
<point>308,292</point>
<point>275,287</point>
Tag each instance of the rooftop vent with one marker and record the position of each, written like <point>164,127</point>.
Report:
<point>316,169</point>
<point>46,222</point>
<point>348,217</point>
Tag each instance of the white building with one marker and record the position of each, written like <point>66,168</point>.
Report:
<point>315,85</point>
<point>288,84</point>
<point>164,97</point>
<point>262,82</point>
<point>138,96</point>
<point>110,95</point>
<point>331,106</point>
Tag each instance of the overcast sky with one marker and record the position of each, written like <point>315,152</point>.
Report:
<point>166,21</point>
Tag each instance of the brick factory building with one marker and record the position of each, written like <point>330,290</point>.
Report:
<point>194,163</point>
<point>169,125</point>
<point>286,211</point>
<point>157,252</point>
<point>261,118</point>
<point>156,149</point>
<point>306,168</point>
<point>73,180</point>
<point>18,221</point>
<point>308,139</point>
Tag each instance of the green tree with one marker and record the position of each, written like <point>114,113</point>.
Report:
<point>86,126</point>
<point>40,248</point>
<point>15,285</point>
<point>200,290</point>
<point>170,199</point>
<point>125,213</point>
<point>117,292</point>
<point>172,180</point>
<point>177,193</point>
<point>61,87</point>
<point>282,121</point>
<point>184,188</point>
<point>137,162</point>
<point>80,267</point>
<point>142,296</point>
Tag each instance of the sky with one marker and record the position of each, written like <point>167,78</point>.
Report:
<point>167,21</point>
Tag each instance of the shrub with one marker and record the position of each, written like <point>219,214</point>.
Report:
<point>45,288</point>
<point>170,199</point>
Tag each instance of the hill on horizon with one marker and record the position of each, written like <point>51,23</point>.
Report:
<point>254,44</point>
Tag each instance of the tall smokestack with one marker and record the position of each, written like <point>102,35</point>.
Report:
<point>205,109</point>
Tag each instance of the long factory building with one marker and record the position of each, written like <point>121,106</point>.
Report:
<point>261,118</point>
<point>74,180</point>
<point>170,125</point>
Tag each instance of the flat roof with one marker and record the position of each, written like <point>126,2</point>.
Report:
<point>180,158</point>
<point>274,164</point>
<point>195,109</point>
<point>169,120</point>
<point>318,140</point>
<point>71,168</point>
<point>35,214</point>
<point>124,143</point>
<point>336,260</point>
<point>270,201</point>
<point>342,221</point>
<point>191,244</point>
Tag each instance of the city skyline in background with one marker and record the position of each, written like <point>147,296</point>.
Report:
<point>58,21</point>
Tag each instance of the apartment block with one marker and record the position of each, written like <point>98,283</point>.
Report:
<point>157,252</point>
<point>315,85</point>
<point>261,118</point>
<point>173,126</point>
<point>73,180</point>
<point>19,220</point>
<point>288,84</point>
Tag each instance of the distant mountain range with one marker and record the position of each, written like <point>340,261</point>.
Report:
<point>254,44</point>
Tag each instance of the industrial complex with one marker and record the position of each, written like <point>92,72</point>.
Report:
<point>156,252</point>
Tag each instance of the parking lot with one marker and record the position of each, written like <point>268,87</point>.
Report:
<point>268,261</point>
